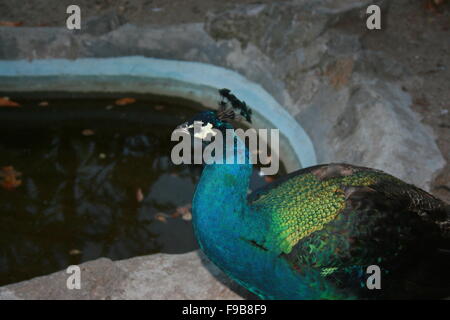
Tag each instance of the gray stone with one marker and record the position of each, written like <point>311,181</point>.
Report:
<point>100,279</point>
<point>348,100</point>
<point>98,25</point>
<point>158,276</point>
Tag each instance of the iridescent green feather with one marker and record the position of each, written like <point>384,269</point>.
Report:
<point>304,204</point>
<point>331,222</point>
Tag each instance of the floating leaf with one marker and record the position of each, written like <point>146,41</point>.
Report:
<point>87,132</point>
<point>184,212</point>
<point>161,216</point>
<point>269,179</point>
<point>5,102</point>
<point>125,101</point>
<point>139,195</point>
<point>187,216</point>
<point>75,252</point>
<point>10,177</point>
<point>176,214</point>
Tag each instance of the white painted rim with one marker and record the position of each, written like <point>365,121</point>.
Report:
<point>187,72</point>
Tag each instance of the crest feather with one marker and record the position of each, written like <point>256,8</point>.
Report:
<point>227,113</point>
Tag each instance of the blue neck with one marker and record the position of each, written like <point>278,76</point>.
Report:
<point>221,200</point>
<point>224,223</point>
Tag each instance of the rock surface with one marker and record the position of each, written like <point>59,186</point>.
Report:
<point>307,54</point>
<point>159,276</point>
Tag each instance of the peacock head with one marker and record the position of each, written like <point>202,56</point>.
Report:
<point>216,133</point>
<point>203,124</point>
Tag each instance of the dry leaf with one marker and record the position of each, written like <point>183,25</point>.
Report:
<point>74,252</point>
<point>43,104</point>
<point>184,212</point>
<point>175,214</point>
<point>87,132</point>
<point>139,195</point>
<point>10,177</point>
<point>269,179</point>
<point>5,102</point>
<point>161,216</point>
<point>11,23</point>
<point>187,216</point>
<point>125,101</point>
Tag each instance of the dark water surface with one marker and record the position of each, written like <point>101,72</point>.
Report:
<point>96,181</point>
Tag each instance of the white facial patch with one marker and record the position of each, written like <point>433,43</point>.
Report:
<point>204,130</point>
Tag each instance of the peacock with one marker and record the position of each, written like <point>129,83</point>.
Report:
<point>313,233</point>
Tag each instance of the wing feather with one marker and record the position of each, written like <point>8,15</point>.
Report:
<point>335,220</point>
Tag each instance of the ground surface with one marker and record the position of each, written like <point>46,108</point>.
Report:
<point>53,12</point>
<point>417,37</point>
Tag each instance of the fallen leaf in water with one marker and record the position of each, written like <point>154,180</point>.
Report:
<point>269,179</point>
<point>184,212</point>
<point>74,252</point>
<point>161,216</point>
<point>5,102</point>
<point>10,177</point>
<point>11,23</point>
<point>139,195</point>
<point>43,104</point>
<point>187,216</point>
<point>87,132</point>
<point>125,101</point>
